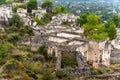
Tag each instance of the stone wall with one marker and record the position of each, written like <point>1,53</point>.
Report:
<point>115,56</point>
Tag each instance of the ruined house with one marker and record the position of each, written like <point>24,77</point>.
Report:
<point>115,56</point>
<point>39,12</point>
<point>63,38</point>
<point>24,15</point>
<point>5,13</point>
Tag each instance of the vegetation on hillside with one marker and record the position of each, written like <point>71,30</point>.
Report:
<point>95,30</point>
<point>32,4</point>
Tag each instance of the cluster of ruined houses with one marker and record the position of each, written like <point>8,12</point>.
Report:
<point>60,38</point>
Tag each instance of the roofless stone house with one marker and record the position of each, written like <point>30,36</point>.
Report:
<point>60,38</point>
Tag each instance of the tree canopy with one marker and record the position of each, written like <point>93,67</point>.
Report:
<point>47,4</point>
<point>93,30</point>
<point>32,4</point>
<point>110,29</point>
<point>61,9</point>
<point>82,19</point>
<point>116,20</point>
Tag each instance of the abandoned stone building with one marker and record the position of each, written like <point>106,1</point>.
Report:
<point>115,56</point>
<point>39,12</point>
<point>5,13</point>
<point>60,38</point>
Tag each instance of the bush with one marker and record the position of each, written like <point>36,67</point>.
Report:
<point>14,8</point>
<point>94,72</point>
<point>16,20</point>
<point>4,50</point>
<point>47,76</point>
<point>10,66</point>
<point>47,18</point>
<point>32,4</point>
<point>68,61</point>
<point>13,37</point>
<point>61,74</point>
<point>23,5</point>
<point>39,21</point>
<point>42,50</point>
<point>102,71</point>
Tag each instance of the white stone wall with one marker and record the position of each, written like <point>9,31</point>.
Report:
<point>67,35</point>
<point>5,12</point>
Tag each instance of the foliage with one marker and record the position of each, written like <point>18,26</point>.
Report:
<point>100,71</point>
<point>16,20</point>
<point>5,49</point>
<point>39,21</point>
<point>68,61</point>
<point>82,19</point>
<point>26,30</point>
<point>47,18</point>
<point>2,2</point>
<point>42,50</point>
<point>14,8</point>
<point>23,5</point>
<point>17,26</point>
<point>116,20</point>
<point>32,4</point>
<point>47,76</point>
<point>13,37</point>
<point>8,1</point>
<point>47,4</point>
<point>93,30</point>
<point>61,74</point>
<point>110,29</point>
<point>61,9</point>
<point>10,66</point>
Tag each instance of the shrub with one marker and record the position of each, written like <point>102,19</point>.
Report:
<point>4,50</point>
<point>102,71</point>
<point>10,66</point>
<point>94,72</point>
<point>14,8</point>
<point>60,74</point>
<point>47,76</point>
<point>32,4</point>
<point>39,21</point>
<point>13,37</point>
<point>23,5</point>
<point>68,60</point>
<point>16,20</point>
<point>42,50</point>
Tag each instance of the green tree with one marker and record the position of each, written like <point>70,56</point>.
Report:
<point>111,29</point>
<point>116,20</point>
<point>2,2</point>
<point>47,4</point>
<point>82,19</point>
<point>93,19</point>
<point>32,4</point>
<point>61,9</point>
<point>93,30</point>
<point>47,18</point>
<point>16,20</point>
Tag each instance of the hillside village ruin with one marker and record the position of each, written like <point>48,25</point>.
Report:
<point>59,38</point>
